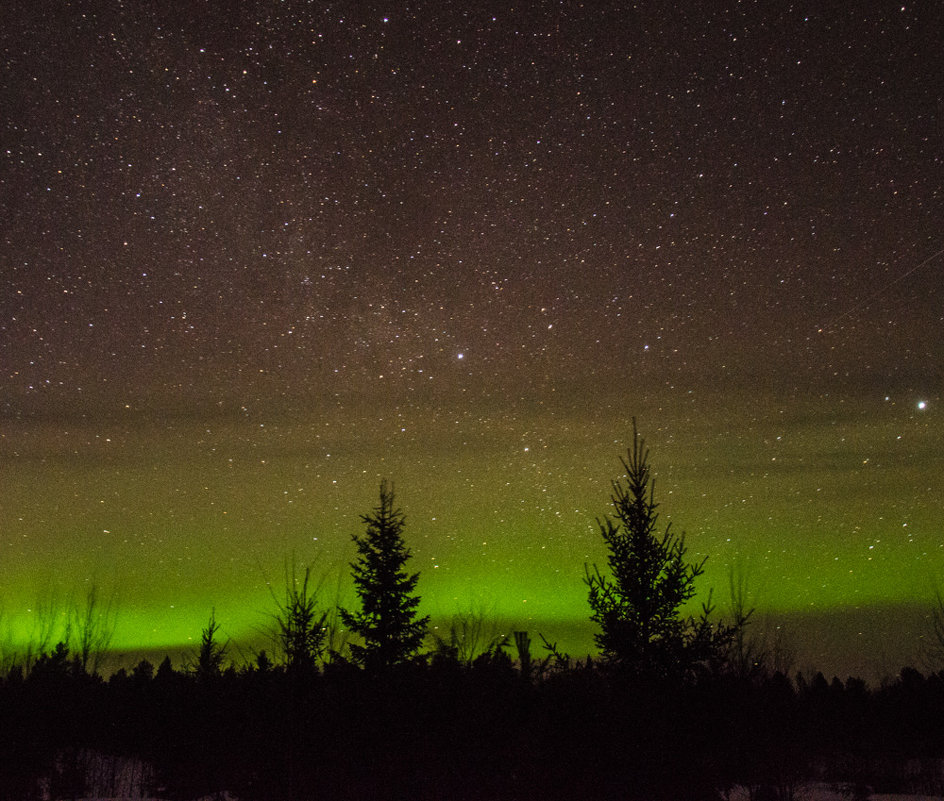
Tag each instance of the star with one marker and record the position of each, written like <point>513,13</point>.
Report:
<point>226,239</point>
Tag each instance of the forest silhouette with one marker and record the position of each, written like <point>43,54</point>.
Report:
<point>367,703</point>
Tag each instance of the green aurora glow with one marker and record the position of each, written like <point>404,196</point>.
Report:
<point>816,515</point>
<point>252,263</point>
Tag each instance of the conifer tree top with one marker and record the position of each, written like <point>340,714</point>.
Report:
<point>639,605</point>
<point>387,621</point>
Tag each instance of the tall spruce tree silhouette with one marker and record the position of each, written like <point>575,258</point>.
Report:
<point>639,608</point>
<point>387,620</point>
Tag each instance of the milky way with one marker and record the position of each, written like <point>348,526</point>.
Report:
<point>257,257</point>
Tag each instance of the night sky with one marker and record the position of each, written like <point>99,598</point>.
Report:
<point>258,256</point>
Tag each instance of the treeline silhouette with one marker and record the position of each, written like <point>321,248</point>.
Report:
<point>675,706</point>
<point>441,728</point>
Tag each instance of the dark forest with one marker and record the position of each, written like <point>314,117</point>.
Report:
<point>674,706</point>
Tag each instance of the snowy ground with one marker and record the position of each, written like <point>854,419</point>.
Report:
<point>119,779</point>
<point>822,792</point>
<point>813,792</point>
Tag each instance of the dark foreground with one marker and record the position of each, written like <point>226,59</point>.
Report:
<point>449,730</point>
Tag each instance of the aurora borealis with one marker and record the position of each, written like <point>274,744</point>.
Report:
<point>256,257</point>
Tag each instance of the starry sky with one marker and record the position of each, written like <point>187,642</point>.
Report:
<point>258,256</point>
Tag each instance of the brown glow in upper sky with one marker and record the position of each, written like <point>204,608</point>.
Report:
<point>256,257</point>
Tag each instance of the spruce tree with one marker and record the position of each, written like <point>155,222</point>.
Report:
<point>300,627</point>
<point>387,621</point>
<point>209,664</point>
<point>639,607</point>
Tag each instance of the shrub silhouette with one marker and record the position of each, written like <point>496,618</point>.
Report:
<point>300,628</point>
